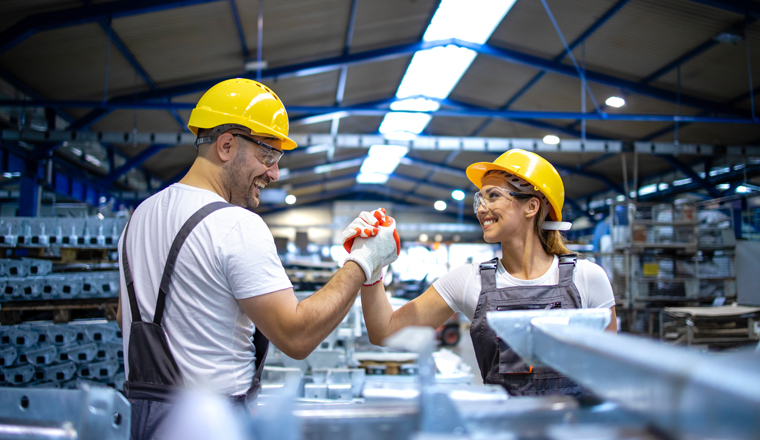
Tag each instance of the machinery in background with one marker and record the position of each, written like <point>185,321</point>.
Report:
<point>650,391</point>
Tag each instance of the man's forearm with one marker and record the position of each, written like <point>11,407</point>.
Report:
<point>323,311</point>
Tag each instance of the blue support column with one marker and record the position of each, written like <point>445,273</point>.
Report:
<point>29,197</point>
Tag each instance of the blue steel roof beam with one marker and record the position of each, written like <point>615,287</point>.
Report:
<point>326,168</point>
<point>514,56</point>
<point>581,38</point>
<point>731,176</point>
<point>531,123</point>
<point>300,69</point>
<point>344,69</point>
<point>407,49</point>
<point>732,101</point>
<point>591,175</point>
<point>241,34</point>
<point>133,162</point>
<point>595,161</point>
<point>737,27</point>
<point>85,14</point>
<point>688,171</point>
<point>361,110</point>
<point>132,60</point>
<point>743,7</point>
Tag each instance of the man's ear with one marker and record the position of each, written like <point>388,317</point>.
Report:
<point>223,147</point>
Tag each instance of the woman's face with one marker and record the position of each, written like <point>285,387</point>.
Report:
<point>500,214</point>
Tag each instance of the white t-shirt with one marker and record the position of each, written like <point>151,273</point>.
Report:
<point>230,255</point>
<point>460,288</point>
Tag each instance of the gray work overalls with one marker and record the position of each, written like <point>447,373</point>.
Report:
<point>498,363</point>
<point>154,375</point>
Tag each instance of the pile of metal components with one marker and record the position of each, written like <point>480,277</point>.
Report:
<point>648,390</point>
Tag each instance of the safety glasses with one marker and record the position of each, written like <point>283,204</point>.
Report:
<point>267,154</point>
<point>494,194</point>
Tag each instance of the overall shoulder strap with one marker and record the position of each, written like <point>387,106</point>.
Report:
<point>179,240</point>
<point>566,268</point>
<point>128,278</point>
<point>488,274</point>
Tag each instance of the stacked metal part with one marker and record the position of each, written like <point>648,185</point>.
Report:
<point>32,279</point>
<point>94,232</point>
<point>61,355</point>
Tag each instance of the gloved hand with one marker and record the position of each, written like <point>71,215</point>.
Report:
<point>364,226</point>
<point>374,253</point>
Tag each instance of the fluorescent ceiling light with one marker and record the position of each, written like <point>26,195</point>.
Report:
<point>440,205</point>
<point>473,20</point>
<point>457,194</point>
<point>290,199</point>
<point>743,189</point>
<point>416,105</point>
<point>681,182</point>
<point>723,186</point>
<point>663,186</point>
<point>620,198</point>
<point>375,178</point>
<point>435,72</point>
<point>423,238</point>
<point>717,171</point>
<point>648,189</point>
<point>550,139</point>
<point>401,121</point>
<point>615,101</point>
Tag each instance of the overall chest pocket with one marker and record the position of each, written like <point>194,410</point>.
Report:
<point>509,361</point>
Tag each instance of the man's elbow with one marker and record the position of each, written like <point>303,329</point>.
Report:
<point>296,350</point>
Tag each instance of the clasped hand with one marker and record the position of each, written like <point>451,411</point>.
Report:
<point>372,242</point>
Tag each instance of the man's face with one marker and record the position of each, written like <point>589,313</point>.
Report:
<point>245,175</point>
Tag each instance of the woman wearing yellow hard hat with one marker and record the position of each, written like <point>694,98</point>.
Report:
<point>519,204</point>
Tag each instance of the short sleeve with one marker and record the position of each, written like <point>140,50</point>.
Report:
<point>598,289</point>
<point>249,260</point>
<point>453,286</point>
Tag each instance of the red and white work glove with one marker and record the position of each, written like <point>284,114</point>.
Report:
<point>372,242</point>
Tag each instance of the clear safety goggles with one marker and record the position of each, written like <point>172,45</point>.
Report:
<point>494,194</point>
<point>266,154</point>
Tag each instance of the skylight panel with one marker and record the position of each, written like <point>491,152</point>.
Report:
<point>435,72</point>
<point>402,121</point>
<point>472,20</point>
<point>380,163</point>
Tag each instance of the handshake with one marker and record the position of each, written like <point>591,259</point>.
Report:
<point>372,242</point>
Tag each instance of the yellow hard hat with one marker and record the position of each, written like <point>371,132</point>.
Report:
<point>532,168</point>
<point>243,102</point>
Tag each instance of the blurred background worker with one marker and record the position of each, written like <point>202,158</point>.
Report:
<point>188,312</point>
<point>520,206</point>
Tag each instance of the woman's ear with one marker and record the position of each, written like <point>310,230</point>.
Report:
<point>532,207</point>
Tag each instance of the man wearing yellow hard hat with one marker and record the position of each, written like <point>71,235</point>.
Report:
<point>200,275</point>
<point>519,204</point>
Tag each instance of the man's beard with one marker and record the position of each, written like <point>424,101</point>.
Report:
<point>238,182</point>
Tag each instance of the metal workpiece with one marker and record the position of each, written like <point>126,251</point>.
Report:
<point>90,413</point>
<point>517,327</point>
<point>682,392</point>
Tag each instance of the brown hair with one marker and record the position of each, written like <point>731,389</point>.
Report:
<point>553,242</point>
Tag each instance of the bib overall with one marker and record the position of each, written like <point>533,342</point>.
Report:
<point>498,363</point>
<point>154,375</point>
